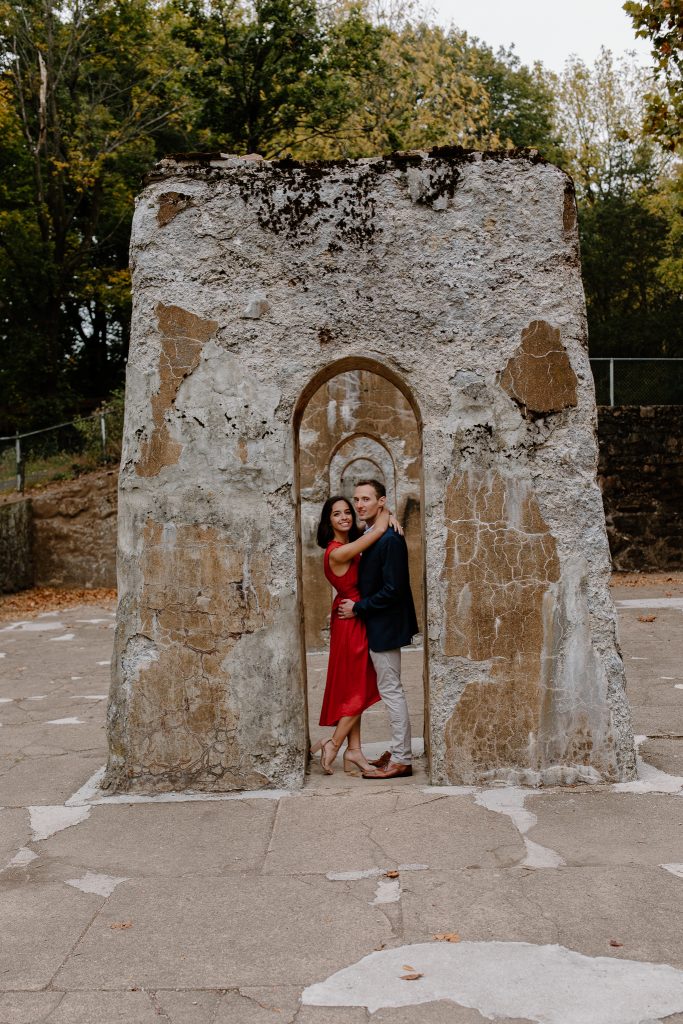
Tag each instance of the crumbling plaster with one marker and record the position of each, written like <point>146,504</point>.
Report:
<point>428,268</point>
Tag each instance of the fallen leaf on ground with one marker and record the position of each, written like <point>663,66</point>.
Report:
<point>646,618</point>
<point>120,925</point>
<point>615,942</point>
<point>407,967</point>
<point>447,937</point>
<point>411,977</point>
<point>391,874</point>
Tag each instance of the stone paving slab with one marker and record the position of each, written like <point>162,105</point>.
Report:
<point>582,909</point>
<point>148,840</point>
<point>45,780</point>
<point>601,828</point>
<point>666,755</point>
<point>40,926</point>
<point>221,933</point>
<point>15,832</point>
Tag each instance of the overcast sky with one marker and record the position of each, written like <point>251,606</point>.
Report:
<point>547,30</point>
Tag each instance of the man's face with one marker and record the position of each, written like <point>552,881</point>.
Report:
<point>367,503</point>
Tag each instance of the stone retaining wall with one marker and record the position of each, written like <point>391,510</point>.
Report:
<point>64,536</point>
<point>640,473</point>
<point>16,568</point>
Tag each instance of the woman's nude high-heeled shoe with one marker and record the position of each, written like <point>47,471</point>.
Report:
<point>357,765</point>
<point>326,759</point>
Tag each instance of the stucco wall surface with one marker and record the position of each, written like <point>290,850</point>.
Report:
<point>454,274</point>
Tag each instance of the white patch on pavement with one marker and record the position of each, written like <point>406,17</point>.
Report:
<point>651,602</point>
<point>678,686</point>
<point>2,654</point>
<point>92,622</point>
<point>650,779</point>
<point>353,876</point>
<point>104,662</point>
<point>74,678</point>
<point>46,821</point>
<point>545,984</point>
<point>6,700</point>
<point>66,636</point>
<point>633,658</point>
<point>669,679</point>
<point>99,885</point>
<point>20,859</point>
<point>675,869</point>
<point>40,696</point>
<point>388,891</point>
<point>509,800</point>
<point>31,627</point>
<point>66,721</point>
<point>88,696</point>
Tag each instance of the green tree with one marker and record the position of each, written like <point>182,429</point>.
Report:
<point>622,176</point>
<point>273,76</point>
<point>661,21</point>
<point>85,89</point>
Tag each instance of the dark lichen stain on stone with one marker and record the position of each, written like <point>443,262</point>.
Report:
<point>325,336</point>
<point>288,199</point>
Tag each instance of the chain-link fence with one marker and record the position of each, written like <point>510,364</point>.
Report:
<point>62,451</point>
<point>638,381</point>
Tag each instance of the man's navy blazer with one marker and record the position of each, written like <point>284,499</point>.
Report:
<point>386,605</point>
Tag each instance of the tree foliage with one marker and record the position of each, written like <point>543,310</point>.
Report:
<point>628,192</point>
<point>661,21</point>
<point>93,92</point>
<point>85,91</point>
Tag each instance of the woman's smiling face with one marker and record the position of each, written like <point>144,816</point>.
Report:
<point>341,516</point>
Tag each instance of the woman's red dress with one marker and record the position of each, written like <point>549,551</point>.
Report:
<point>351,685</point>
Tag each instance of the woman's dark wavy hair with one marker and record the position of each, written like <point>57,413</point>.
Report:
<point>325,532</point>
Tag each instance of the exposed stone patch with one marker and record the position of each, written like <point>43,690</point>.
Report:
<point>183,335</point>
<point>500,561</point>
<point>539,376</point>
<point>170,205</point>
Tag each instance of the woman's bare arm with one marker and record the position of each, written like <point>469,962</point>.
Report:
<point>348,551</point>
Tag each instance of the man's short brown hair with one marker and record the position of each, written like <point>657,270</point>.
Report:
<point>379,489</point>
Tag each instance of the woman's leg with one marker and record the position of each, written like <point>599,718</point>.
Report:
<point>344,728</point>
<point>331,747</point>
<point>354,751</point>
<point>353,739</point>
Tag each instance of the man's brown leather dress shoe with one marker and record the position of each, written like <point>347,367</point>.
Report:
<point>392,771</point>
<point>383,761</point>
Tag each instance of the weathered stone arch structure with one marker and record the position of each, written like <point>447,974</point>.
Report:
<point>455,275</point>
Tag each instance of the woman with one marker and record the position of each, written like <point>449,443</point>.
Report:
<point>351,684</point>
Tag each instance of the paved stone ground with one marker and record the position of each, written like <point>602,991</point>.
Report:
<point>227,911</point>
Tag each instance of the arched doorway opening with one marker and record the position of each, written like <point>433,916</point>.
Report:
<point>354,421</point>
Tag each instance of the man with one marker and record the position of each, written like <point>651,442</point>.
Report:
<point>387,609</point>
